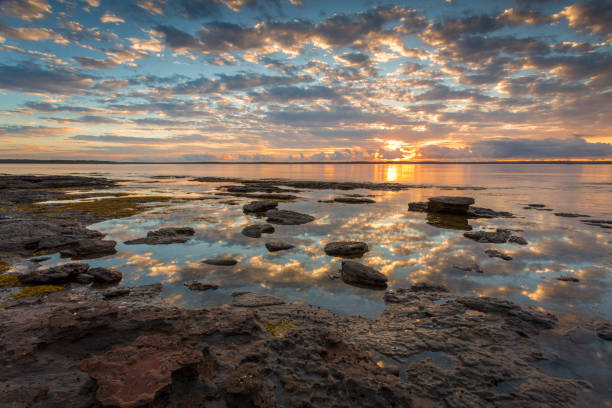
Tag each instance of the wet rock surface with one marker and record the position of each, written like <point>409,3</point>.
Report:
<point>346,248</point>
<point>71,272</point>
<point>457,207</point>
<point>164,236</point>
<point>275,246</point>
<point>198,285</point>
<point>450,204</point>
<point>255,231</point>
<point>259,206</point>
<point>90,248</point>
<point>496,253</point>
<point>356,273</point>
<point>607,224</point>
<point>427,348</point>
<point>220,261</point>
<point>568,279</point>
<point>469,267</point>
<point>287,217</point>
<point>499,236</point>
<point>571,215</point>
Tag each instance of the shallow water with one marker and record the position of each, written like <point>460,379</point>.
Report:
<point>403,245</point>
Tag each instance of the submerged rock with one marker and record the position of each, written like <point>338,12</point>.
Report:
<point>346,248</point>
<point>496,253</point>
<point>251,299</point>
<point>255,231</point>
<point>286,217</point>
<point>499,236</point>
<point>259,206</point>
<point>449,221</point>
<point>604,330</point>
<point>473,267</point>
<point>90,248</point>
<point>568,279</point>
<point>354,200</point>
<point>450,204</point>
<point>197,285</point>
<point>132,375</point>
<point>220,261</point>
<point>360,274</point>
<point>164,236</point>
<point>274,246</point>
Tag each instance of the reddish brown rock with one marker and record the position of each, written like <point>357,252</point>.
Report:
<point>132,375</point>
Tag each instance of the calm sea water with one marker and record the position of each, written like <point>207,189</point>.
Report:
<point>402,244</point>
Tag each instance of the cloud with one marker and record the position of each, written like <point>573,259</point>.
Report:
<point>33,34</point>
<point>138,140</point>
<point>25,9</point>
<point>202,157</point>
<point>86,62</point>
<point>594,16</point>
<point>295,93</point>
<point>111,18</point>
<point>510,148</point>
<point>31,78</point>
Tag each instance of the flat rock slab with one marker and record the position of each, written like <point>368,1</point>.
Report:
<point>197,285</point>
<point>354,200</point>
<point>568,279</point>
<point>450,204</point>
<point>255,231</point>
<point>274,246</point>
<point>131,375</point>
<point>259,206</point>
<point>57,274</point>
<point>286,217</point>
<point>472,267</point>
<point>496,253</point>
<point>346,248</point>
<point>252,299</point>
<point>499,236</point>
<point>357,273</point>
<point>90,248</point>
<point>571,215</point>
<point>164,236</point>
<point>220,261</point>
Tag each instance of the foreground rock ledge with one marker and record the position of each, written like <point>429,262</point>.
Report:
<point>74,349</point>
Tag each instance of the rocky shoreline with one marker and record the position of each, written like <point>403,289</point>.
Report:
<point>92,346</point>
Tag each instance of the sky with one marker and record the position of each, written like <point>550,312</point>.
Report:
<point>305,80</point>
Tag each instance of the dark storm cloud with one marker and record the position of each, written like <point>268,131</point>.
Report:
<point>29,77</point>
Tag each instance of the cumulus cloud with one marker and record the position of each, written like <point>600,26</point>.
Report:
<point>25,9</point>
<point>31,78</point>
<point>594,16</point>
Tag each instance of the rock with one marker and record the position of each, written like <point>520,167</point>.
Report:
<point>354,200</point>
<point>274,246</point>
<point>104,275</point>
<point>536,205</point>
<point>492,305</point>
<point>220,262</point>
<point>480,212</point>
<point>197,285</point>
<point>164,236</point>
<point>346,248</point>
<point>251,299</point>
<point>598,223</point>
<point>450,205</point>
<point>449,221</point>
<point>416,206</point>
<point>57,274</point>
<point>255,231</point>
<point>427,287</point>
<point>259,206</point>
<point>360,274</point>
<point>40,259</point>
<point>473,267</point>
<point>499,236</point>
<point>568,279</point>
<point>604,330</point>
<point>131,375</point>
<point>90,248</point>
<point>496,253</point>
<point>116,292</point>
<point>286,217</point>
<point>571,215</point>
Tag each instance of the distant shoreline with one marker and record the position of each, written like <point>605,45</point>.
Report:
<point>27,161</point>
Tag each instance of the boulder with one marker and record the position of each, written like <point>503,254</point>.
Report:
<point>220,262</point>
<point>164,236</point>
<point>357,273</point>
<point>274,246</point>
<point>197,285</point>
<point>450,204</point>
<point>90,248</point>
<point>346,248</point>
<point>286,217</point>
<point>259,206</point>
<point>57,274</point>
<point>132,375</point>
<point>255,231</point>
<point>105,275</point>
<point>496,253</point>
<point>354,200</point>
